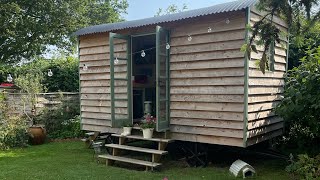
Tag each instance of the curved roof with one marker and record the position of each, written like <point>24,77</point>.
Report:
<point>220,8</point>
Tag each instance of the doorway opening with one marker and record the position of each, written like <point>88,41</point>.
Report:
<point>143,76</point>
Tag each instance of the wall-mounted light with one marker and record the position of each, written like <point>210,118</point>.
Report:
<point>85,67</point>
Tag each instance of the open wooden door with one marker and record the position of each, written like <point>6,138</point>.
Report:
<point>162,79</point>
<point>120,74</point>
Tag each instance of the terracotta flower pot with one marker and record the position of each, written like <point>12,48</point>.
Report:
<point>147,133</point>
<point>37,135</point>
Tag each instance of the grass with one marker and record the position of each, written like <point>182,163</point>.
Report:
<point>70,160</point>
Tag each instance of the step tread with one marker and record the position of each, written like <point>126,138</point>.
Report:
<point>137,149</point>
<point>130,160</point>
<point>90,133</point>
<point>142,138</point>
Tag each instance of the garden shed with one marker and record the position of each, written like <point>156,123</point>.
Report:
<point>189,67</point>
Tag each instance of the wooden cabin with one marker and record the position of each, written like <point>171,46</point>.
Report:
<point>189,67</point>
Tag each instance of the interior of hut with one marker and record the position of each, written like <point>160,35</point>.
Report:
<point>143,76</point>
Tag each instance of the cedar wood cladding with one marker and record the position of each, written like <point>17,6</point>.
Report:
<point>207,82</point>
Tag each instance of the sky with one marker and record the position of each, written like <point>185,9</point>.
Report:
<point>139,9</point>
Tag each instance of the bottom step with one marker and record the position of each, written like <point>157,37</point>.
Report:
<point>129,160</point>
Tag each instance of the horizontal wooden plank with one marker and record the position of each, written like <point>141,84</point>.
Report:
<point>94,57</point>
<point>206,115</point>
<point>268,74</point>
<point>95,96</point>
<point>130,160</point>
<point>94,40</point>
<point>264,122</point>
<point>207,123</point>
<point>136,149</point>
<point>203,106</point>
<point>206,98</point>
<point>103,103</point>
<point>103,109</point>
<point>215,55</point>
<point>277,66</point>
<point>264,137</point>
<point>103,49</point>
<point>95,83</point>
<point>102,129</point>
<point>208,64</point>
<point>101,76</point>
<point>229,72</point>
<point>266,90</point>
<point>262,106</point>
<point>265,129</point>
<point>208,139</point>
<point>94,63</point>
<point>98,122</point>
<point>266,82</point>
<point>94,115</point>
<point>208,90</point>
<point>256,15</point>
<point>263,98</point>
<point>142,138</point>
<point>205,38</point>
<point>206,131</point>
<point>260,115</point>
<point>217,24</point>
<point>217,46</point>
<point>221,81</point>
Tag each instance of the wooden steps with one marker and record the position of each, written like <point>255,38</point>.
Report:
<point>137,149</point>
<point>117,149</point>
<point>142,138</point>
<point>129,160</point>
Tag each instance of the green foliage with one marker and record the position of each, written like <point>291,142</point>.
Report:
<point>302,42</point>
<point>290,11</point>
<point>171,9</point>
<point>13,129</point>
<point>63,121</point>
<point>65,73</point>
<point>31,84</point>
<point>300,108</point>
<point>29,27</point>
<point>305,167</point>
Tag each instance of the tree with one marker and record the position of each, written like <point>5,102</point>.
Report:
<point>268,32</point>
<point>29,26</point>
<point>171,9</point>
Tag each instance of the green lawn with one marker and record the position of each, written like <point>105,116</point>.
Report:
<point>70,160</point>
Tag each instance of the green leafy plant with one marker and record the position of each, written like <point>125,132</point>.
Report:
<point>13,129</point>
<point>125,124</point>
<point>305,167</point>
<point>300,107</point>
<point>63,121</point>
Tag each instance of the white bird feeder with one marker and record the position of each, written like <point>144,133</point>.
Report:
<point>241,167</point>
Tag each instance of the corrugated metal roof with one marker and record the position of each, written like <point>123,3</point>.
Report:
<point>220,8</point>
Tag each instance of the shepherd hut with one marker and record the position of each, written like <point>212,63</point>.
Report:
<point>189,68</point>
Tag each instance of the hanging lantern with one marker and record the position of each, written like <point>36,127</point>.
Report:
<point>116,61</point>
<point>167,46</point>
<point>143,54</point>
<point>228,21</point>
<point>189,38</point>
<point>85,67</point>
<point>209,30</point>
<point>9,78</point>
<point>50,73</point>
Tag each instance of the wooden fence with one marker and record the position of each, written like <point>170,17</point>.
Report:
<point>44,100</point>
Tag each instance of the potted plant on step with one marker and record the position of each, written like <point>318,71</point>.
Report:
<point>148,126</point>
<point>127,128</point>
